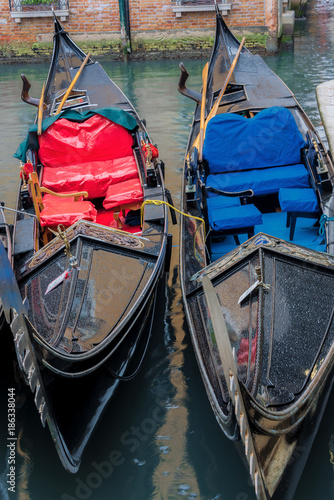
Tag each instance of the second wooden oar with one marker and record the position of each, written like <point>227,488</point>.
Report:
<point>67,93</point>
<point>40,112</point>
<point>215,107</point>
<point>203,102</point>
<point>230,371</point>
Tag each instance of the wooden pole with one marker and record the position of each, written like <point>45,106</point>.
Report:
<point>73,82</point>
<point>40,112</point>
<point>215,107</point>
<point>203,102</point>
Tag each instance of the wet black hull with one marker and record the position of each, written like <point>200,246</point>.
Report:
<point>76,404</point>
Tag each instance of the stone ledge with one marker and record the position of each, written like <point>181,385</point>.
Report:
<point>179,9</point>
<point>61,14</point>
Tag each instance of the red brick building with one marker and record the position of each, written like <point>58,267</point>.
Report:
<point>156,21</point>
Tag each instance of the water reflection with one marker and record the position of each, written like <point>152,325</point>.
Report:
<point>174,475</point>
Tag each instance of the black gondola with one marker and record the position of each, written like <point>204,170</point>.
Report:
<point>257,272</point>
<point>86,264</point>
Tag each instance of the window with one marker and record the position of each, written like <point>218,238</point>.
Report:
<point>183,6</point>
<point>20,9</point>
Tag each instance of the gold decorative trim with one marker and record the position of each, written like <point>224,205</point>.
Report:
<point>103,234</point>
<point>263,240</point>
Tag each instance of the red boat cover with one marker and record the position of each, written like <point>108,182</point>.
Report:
<point>66,212</point>
<point>124,193</point>
<point>72,143</point>
<point>94,177</point>
<point>86,156</point>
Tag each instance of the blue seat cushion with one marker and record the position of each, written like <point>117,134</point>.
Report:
<point>265,181</point>
<point>216,202</point>
<point>298,200</point>
<point>229,218</point>
<point>235,143</point>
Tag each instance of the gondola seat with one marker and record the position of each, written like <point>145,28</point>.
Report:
<point>235,220</point>
<point>66,212</point>
<point>89,155</point>
<point>217,204</point>
<point>52,208</point>
<point>94,177</point>
<point>262,153</point>
<point>263,181</point>
<point>298,203</point>
<point>126,195</point>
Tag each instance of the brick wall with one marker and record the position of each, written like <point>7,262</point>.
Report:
<point>100,19</point>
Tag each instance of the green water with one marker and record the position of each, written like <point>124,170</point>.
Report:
<point>159,438</point>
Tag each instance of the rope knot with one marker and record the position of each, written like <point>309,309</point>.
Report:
<point>323,221</point>
<point>61,232</point>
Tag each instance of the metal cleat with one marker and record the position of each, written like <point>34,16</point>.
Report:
<point>246,443</point>
<point>43,412</point>
<point>237,406</point>
<point>256,481</point>
<point>252,465</point>
<point>242,426</point>
<point>20,342</point>
<point>16,323</point>
<point>38,395</point>
<point>32,377</point>
<point>27,361</point>
<point>232,386</point>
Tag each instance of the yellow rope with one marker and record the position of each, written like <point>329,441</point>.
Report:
<point>160,202</point>
<point>61,232</point>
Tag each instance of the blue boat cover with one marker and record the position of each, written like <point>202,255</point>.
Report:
<point>298,200</point>
<point>234,218</point>
<point>262,182</point>
<point>269,139</point>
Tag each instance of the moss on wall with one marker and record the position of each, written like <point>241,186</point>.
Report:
<point>141,48</point>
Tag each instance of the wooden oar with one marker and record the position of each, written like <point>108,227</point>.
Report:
<point>230,371</point>
<point>73,82</point>
<point>40,112</point>
<point>215,107</point>
<point>203,102</point>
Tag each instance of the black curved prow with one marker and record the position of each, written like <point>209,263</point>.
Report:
<point>25,93</point>
<point>192,94</point>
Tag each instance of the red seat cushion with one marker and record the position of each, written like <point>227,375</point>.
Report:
<point>94,177</point>
<point>123,193</point>
<point>71,143</point>
<point>66,212</point>
<point>124,169</point>
<point>86,156</point>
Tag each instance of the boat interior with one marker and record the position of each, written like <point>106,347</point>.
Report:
<point>88,169</point>
<point>259,174</point>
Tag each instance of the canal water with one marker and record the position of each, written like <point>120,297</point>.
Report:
<point>161,425</point>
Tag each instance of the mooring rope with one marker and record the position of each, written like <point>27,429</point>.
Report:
<point>161,202</point>
<point>323,221</point>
